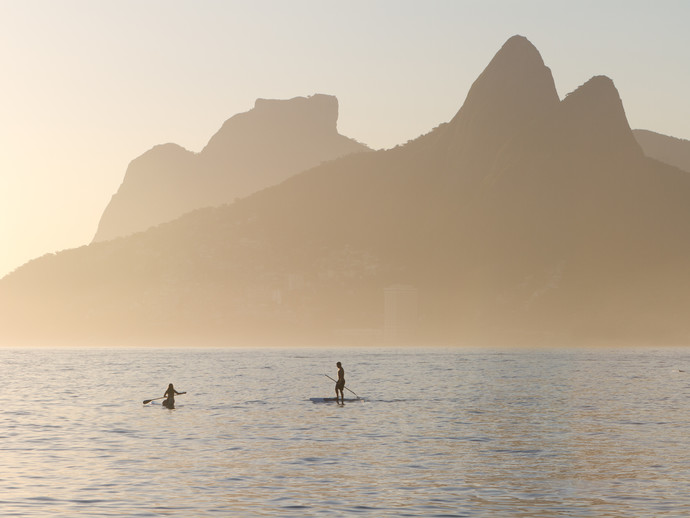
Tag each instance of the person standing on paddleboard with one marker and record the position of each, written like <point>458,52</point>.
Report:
<point>340,384</point>
<point>170,395</point>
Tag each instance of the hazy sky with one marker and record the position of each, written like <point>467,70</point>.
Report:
<point>87,85</point>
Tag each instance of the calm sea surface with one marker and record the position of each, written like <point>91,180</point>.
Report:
<point>443,432</point>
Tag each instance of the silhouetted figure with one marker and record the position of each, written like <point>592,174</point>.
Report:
<point>169,402</point>
<point>340,384</point>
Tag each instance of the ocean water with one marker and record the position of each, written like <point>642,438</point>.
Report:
<point>442,432</point>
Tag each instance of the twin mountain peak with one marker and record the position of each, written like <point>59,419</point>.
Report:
<point>524,219</point>
<point>280,138</point>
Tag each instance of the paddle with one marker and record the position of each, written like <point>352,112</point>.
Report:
<point>337,382</point>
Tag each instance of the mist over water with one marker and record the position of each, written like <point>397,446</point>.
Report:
<point>456,432</point>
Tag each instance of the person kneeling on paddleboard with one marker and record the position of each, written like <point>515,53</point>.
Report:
<point>170,395</point>
<point>340,384</point>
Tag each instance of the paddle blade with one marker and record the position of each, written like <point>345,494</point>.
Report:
<point>147,401</point>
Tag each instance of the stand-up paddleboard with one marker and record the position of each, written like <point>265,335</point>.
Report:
<point>333,400</point>
<point>159,404</point>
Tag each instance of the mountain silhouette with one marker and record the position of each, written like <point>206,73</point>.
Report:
<point>251,151</point>
<point>523,220</point>
<point>670,150</point>
<point>515,88</point>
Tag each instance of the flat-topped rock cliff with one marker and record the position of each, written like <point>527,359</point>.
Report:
<point>251,151</point>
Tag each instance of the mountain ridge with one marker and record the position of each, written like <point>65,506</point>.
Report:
<point>555,238</point>
<point>251,150</point>
<point>670,150</point>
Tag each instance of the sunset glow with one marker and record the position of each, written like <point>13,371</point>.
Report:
<point>89,86</point>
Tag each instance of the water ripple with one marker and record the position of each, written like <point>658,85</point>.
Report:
<point>442,433</point>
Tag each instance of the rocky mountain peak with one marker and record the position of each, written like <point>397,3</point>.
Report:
<point>281,118</point>
<point>512,91</point>
<point>319,110</point>
<point>251,151</point>
<point>596,118</point>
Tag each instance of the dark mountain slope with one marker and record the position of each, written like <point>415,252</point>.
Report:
<point>670,150</point>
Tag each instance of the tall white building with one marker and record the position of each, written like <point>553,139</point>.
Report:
<point>400,313</point>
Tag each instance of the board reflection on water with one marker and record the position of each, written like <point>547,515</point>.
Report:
<point>440,432</point>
